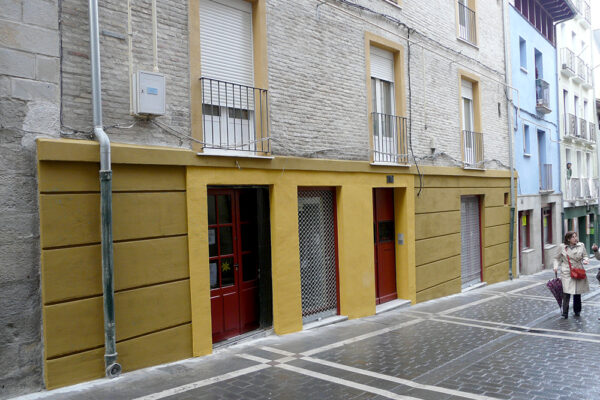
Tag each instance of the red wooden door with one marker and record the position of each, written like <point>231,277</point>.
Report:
<point>385,253</point>
<point>234,288</point>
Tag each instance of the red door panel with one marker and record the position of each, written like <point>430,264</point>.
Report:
<point>385,253</point>
<point>232,262</point>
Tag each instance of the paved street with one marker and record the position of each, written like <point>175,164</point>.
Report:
<point>504,341</point>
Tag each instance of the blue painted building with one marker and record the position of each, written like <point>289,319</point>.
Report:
<point>536,130</point>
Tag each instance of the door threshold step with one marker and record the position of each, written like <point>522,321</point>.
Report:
<point>325,321</point>
<point>244,337</point>
<point>391,305</point>
<point>473,287</point>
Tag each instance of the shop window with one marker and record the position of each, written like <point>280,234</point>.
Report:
<point>524,224</point>
<point>547,224</point>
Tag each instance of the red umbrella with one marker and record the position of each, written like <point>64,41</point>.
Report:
<point>555,286</point>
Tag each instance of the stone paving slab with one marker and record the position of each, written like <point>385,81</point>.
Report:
<point>510,309</point>
<point>411,351</point>
<point>534,368</point>
<point>273,383</point>
<point>446,303</point>
<point>464,343</point>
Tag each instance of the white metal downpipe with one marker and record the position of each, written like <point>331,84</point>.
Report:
<point>112,368</point>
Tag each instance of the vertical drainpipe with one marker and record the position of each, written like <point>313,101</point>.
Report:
<point>112,368</point>
<point>507,72</point>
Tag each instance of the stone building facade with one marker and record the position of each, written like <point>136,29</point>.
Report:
<point>313,58</point>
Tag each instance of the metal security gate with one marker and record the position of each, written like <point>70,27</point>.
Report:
<point>318,258</point>
<point>470,241</point>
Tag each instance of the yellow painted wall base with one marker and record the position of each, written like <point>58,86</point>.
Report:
<point>161,253</point>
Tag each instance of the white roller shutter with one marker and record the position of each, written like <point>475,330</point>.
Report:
<point>226,41</point>
<point>467,89</point>
<point>470,257</point>
<point>382,64</point>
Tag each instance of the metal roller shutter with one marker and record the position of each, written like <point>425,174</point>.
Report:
<point>382,64</point>
<point>470,241</point>
<point>318,272</point>
<point>226,41</point>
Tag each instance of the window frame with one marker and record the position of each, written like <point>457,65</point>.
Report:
<point>399,98</point>
<point>527,215</point>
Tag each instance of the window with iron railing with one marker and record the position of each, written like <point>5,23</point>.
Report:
<point>583,129</point>
<point>572,126</point>
<point>472,149</point>
<point>542,95</point>
<point>546,177</point>
<point>567,60</point>
<point>467,26</point>
<point>234,117</point>
<point>390,139</point>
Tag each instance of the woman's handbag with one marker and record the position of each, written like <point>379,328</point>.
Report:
<point>576,273</point>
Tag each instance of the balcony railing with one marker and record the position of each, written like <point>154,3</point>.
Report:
<point>235,118</point>
<point>583,129</point>
<point>592,132</point>
<point>567,60</point>
<point>542,96</point>
<point>472,143</point>
<point>573,189</point>
<point>546,178</point>
<point>581,75</point>
<point>572,126</point>
<point>390,140</point>
<point>585,74</point>
<point>467,25</point>
<point>582,188</point>
<point>587,12</point>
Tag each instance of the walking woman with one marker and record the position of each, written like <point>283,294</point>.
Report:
<point>572,254</point>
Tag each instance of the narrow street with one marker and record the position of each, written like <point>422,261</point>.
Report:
<point>503,341</point>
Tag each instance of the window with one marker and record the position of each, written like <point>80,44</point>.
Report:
<point>229,101</point>
<point>467,21</point>
<point>547,224</point>
<point>472,138</point>
<point>523,53</point>
<point>526,140</point>
<point>539,65</point>
<point>524,223</point>
<point>388,127</point>
<point>382,103</point>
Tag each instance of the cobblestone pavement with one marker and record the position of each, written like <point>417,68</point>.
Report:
<point>503,341</point>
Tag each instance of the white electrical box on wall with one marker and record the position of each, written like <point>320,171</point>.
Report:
<point>148,93</point>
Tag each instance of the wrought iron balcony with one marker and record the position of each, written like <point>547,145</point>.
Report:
<point>235,118</point>
<point>580,71</point>
<point>572,126</point>
<point>592,132</point>
<point>587,75</point>
<point>546,178</point>
<point>583,129</point>
<point>567,61</point>
<point>390,139</point>
<point>587,13</point>
<point>573,189</point>
<point>467,24</point>
<point>542,96</point>
<point>472,145</point>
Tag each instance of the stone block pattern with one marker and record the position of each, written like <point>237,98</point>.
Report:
<point>317,77</point>
<point>173,61</point>
<point>29,105</point>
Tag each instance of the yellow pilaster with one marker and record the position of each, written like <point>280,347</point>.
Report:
<point>287,297</point>
<point>198,262</point>
<point>406,273</point>
<point>355,251</point>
